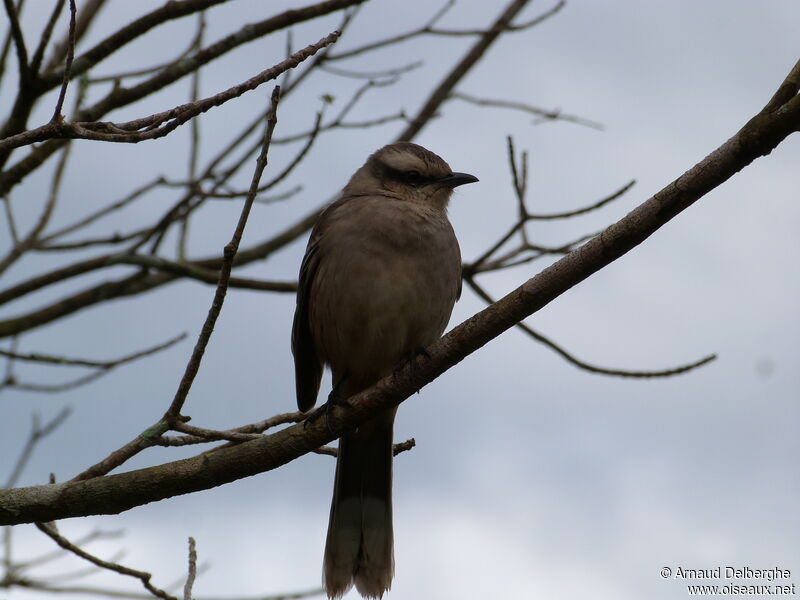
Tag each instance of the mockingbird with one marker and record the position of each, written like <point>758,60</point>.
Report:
<point>378,282</point>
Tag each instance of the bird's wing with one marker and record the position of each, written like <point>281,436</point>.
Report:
<point>307,364</point>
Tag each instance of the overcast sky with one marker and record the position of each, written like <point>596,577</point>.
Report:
<point>531,478</point>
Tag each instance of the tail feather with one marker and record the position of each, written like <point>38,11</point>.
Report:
<point>359,548</point>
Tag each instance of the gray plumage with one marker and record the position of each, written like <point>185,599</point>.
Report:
<point>379,279</point>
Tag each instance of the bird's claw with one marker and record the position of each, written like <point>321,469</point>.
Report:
<point>335,398</point>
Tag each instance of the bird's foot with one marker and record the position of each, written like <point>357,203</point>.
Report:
<point>410,359</point>
<point>335,398</point>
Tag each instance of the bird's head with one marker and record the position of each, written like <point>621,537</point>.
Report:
<point>409,172</point>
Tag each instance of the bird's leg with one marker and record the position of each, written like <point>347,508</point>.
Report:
<point>335,398</point>
<point>410,359</point>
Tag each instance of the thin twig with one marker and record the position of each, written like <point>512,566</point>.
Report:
<point>135,194</point>
<point>260,200</point>
<point>82,362</point>
<point>259,427</point>
<point>79,573</point>
<point>201,270</point>
<point>442,91</point>
<point>111,240</point>
<point>192,574</point>
<point>173,412</point>
<point>118,97</point>
<point>44,39</point>
<point>160,124</point>
<point>589,367</point>
<point>211,435</point>
<point>580,211</point>
<point>86,16</point>
<point>546,115</point>
<point>54,388</point>
<point>194,44</point>
<point>392,72</point>
<point>38,432</point>
<point>31,239</point>
<point>19,42</point>
<point>347,18</point>
<point>144,577</point>
<point>12,224</point>
<point>194,134</point>
<point>49,557</point>
<point>172,415</point>
<point>429,29</point>
<point>509,259</point>
<point>123,454</point>
<point>194,271</point>
<point>7,43</point>
<point>57,117</point>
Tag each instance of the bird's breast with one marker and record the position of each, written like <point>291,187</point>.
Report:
<point>383,290</point>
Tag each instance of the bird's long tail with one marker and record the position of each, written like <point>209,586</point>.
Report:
<point>359,548</point>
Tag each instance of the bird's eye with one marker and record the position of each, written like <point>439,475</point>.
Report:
<point>414,177</point>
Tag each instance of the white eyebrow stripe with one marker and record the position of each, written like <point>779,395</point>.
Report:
<point>404,162</point>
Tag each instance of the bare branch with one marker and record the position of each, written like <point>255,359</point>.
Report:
<point>253,428</point>
<point>111,240</point>
<point>123,454</point>
<point>12,224</point>
<point>123,96</point>
<point>211,435</point>
<point>589,367</point>
<point>19,42</point>
<point>203,270</point>
<point>129,285</point>
<point>194,146</point>
<point>116,493</point>
<point>392,73</point>
<point>7,42</point>
<point>474,54</point>
<point>194,44</point>
<point>44,39</point>
<point>519,176</point>
<point>429,29</point>
<point>172,415</point>
<point>52,388</point>
<point>49,557</point>
<point>193,271</point>
<point>134,195</point>
<point>187,589</point>
<point>89,10</point>
<point>580,211</point>
<point>510,258</point>
<point>31,239</point>
<point>82,362</point>
<point>57,117</point>
<point>144,577</point>
<point>38,432</point>
<point>160,124</point>
<point>396,448</point>
<point>546,115</point>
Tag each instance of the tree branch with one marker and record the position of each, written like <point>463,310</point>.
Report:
<point>120,96</point>
<point>474,54</point>
<point>59,539</point>
<point>172,415</point>
<point>57,117</point>
<point>160,124</point>
<point>116,493</point>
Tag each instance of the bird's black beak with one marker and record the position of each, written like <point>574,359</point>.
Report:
<point>456,179</point>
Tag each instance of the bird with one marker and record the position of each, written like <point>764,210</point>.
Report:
<point>378,282</point>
